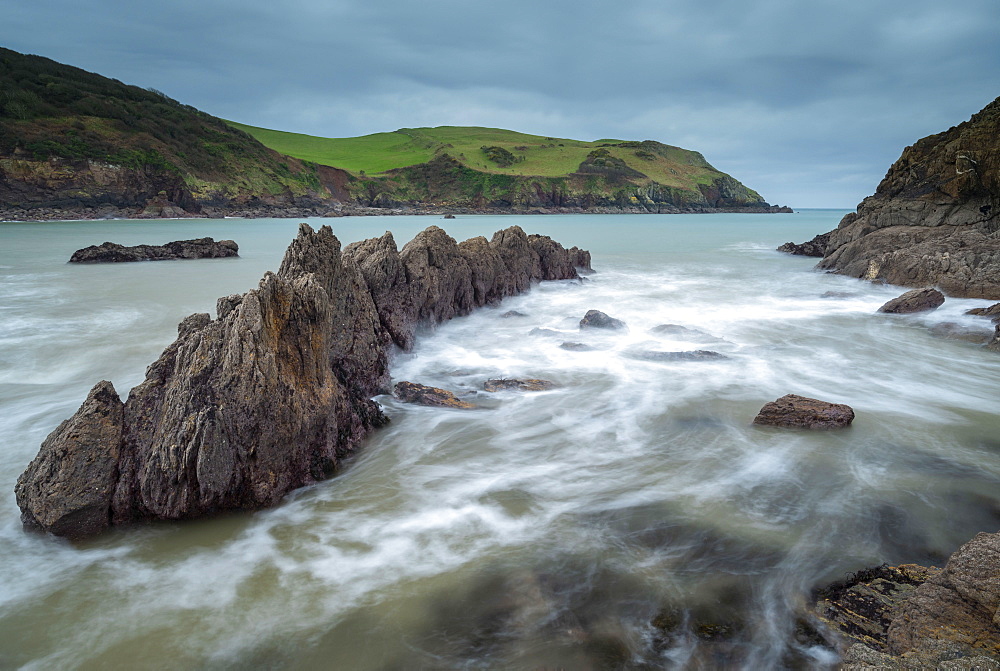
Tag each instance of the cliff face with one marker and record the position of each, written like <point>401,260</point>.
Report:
<point>275,391</point>
<point>935,218</point>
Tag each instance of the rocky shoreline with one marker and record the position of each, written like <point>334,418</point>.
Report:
<point>341,210</point>
<point>275,391</point>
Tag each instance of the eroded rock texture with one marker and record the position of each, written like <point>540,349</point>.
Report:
<point>935,218</point>
<point>911,617</point>
<point>792,410</point>
<point>201,248</point>
<point>275,391</point>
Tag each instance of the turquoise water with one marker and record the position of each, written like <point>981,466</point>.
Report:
<point>542,530</point>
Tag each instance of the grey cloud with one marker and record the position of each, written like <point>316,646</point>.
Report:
<point>808,103</point>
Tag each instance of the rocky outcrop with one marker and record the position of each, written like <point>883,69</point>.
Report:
<point>917,300</point>
<point>271,394</point>
<point>792,410</point>
<point>201,248</point>
<point>411,392</point>
<point>815,247</point>
<point>595,319</point>
<point>935,217</point>
<point>912,617</point>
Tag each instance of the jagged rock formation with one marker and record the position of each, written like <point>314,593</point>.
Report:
<point>912,617</point>
<point>275,391</point>
<point>935,217</point>
<point>792,410</point>
<point>815,247</point>
<point>200,248</point>
<point>915,300</point>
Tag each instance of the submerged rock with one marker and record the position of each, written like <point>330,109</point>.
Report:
<point>595,319</point>
<point>684,333</point>
<point>815,247</point>
<point>695,355</point>
<point>576,347</point>
<point>502,384</point>
<point>511,314</point>
<point>201,248</point>
<point>270,395</point>
<point>916,300</point>
<point>792,410</point>
<point>411,392</point>
<point>953,331</point>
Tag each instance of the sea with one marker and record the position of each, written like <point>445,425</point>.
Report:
<point>631,517</point>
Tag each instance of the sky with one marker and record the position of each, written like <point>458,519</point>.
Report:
<point>808,103</point>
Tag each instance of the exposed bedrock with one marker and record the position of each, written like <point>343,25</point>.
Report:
<point>201,248</point>
<point>912,617</point>
<point>276,390</point>
<point>935,217</point>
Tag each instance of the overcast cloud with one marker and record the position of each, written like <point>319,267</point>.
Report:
<point>806,102</point>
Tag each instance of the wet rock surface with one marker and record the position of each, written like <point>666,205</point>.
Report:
<point>276,390</point>
<point>935,217</point>
<point>992,312</point>
<point>796,411</point>
<point>815,247</point>
<point>595,319</point>
<point>683,333</point>
<point>200,248</point>
<point>529,384</point>
<point>953,331</point>
<point>913,617</point>
<point>411,392</point>
<point>917,300</point>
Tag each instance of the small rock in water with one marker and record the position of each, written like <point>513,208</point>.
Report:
<point>694,355</point>
<point>512,313</point>
<point>449,216</point>
<point>543,332</point>
<point>837,294</point>
<point>596,319</point>
<point>411,392</point>
<point>917,300</point>
<point>994,344</point>
<point>501,384</point>
<point>792,410</point>
<point>576,347</point>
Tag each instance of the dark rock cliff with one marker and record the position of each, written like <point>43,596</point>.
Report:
<point>275,391</point>
<point>935,218</point>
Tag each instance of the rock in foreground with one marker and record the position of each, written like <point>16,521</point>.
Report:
<point>792,410</point>
<point>911,617</point>
<point>917,300</point>
<point>276,390</point>
<point>201,248</point>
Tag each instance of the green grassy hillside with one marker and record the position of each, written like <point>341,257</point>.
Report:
<point>121,144</point>
<point>612,171</point>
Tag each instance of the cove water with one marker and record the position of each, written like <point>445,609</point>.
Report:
<point>541,530</point>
